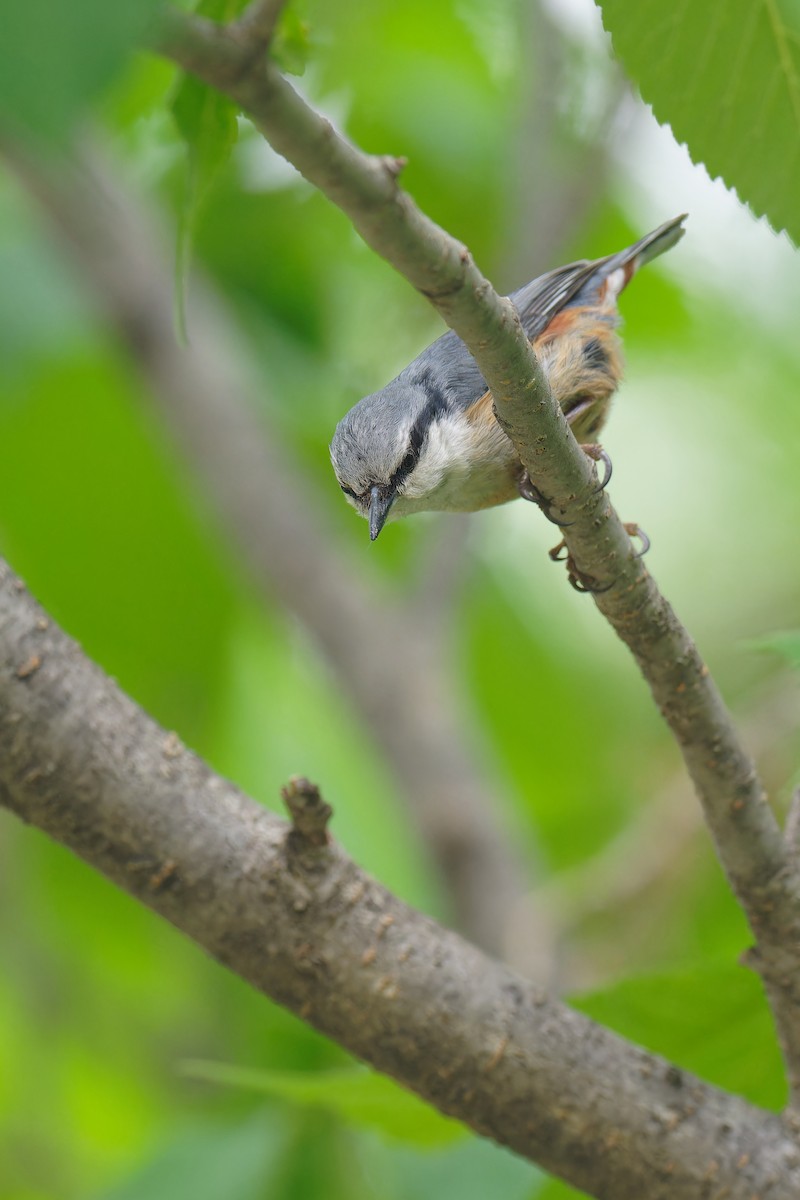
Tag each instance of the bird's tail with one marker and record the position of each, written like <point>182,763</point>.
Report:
<point>647,248</point>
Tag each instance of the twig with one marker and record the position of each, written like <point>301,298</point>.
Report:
<point>309,812</point>
<point>83,763</point>
<point>749,843</point>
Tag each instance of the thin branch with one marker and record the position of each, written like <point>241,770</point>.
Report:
<point>297,919</point>
<point>395,669</point>
<point>749,844</point>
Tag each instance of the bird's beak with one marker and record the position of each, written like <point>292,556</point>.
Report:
<point>379,504</point>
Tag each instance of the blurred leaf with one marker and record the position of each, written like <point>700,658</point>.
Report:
<point>291,45</point>
<point>56,58</point>
<point>358,1096</point>
<point>726,78</point>
<point>207,121</point>
<point>785,644</point>
<point>712,1020</point>
<point>211,1162</point>
<point>141,91</point>
<point>96,517</point>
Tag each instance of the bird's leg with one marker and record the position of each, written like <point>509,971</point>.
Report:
<point>529,491</point>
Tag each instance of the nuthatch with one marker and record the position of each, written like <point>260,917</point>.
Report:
<point>429,440</point>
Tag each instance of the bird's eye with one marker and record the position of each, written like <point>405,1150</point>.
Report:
<point>348,491</point>
<point>407,465</point>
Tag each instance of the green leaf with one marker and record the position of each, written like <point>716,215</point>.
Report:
<point>725,75</point>
<point>207,121</point>
<point>55,58</point>
<point>355,1095</point>
<point>713,1021</point>
<point>786,644</point>
<point>291,45</point>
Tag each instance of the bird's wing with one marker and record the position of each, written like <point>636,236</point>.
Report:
<point>539,301</point>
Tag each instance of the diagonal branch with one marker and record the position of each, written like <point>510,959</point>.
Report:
<point>763,876</point>
<point>289,912</point>
<point>393,665</point>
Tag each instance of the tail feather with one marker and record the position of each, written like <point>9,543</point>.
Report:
<point>647,248</point>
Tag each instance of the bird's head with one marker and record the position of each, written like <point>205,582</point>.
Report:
<point>390,451</point>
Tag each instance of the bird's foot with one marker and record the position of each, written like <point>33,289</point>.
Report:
<point>529,491</point>
<point>577,578</point>
<point>598,454</point>
<point>633,530</point>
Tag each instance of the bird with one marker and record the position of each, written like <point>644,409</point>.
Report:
<point>429,440</point>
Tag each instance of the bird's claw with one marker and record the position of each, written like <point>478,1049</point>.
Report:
<point>577,578</point>
<point>633,530</point>
<point>529,491</point>
<point>598,454</point>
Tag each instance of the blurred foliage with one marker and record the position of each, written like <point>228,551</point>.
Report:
<point>58,58</point>
<point>100,1003</point>
<point>208,123</point>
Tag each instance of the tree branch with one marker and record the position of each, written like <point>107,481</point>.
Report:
<point>288,911</point>
<point>749,844</point>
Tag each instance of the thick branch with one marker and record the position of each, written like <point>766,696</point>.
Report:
<point>393,665</point>
<point>291,914</point>
<point>748,840</point>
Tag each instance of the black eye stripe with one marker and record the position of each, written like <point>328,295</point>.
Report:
<point>348,490</point>
<point>436,406</point>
